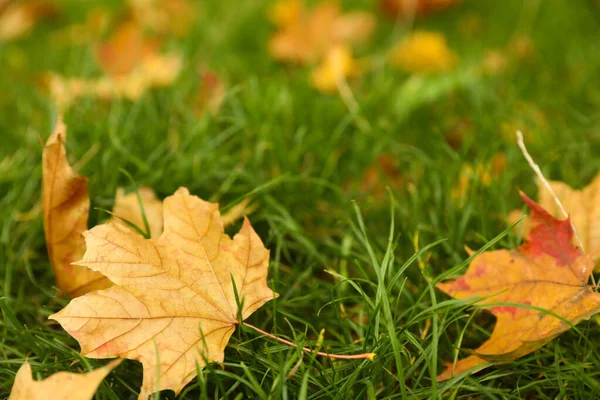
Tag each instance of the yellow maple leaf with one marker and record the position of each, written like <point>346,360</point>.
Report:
<point>337,66</point>
<point>583,207</point>
<point>423,52</point>
<point>60,386</point>
<point>173,305</point>
<point>65,204</point>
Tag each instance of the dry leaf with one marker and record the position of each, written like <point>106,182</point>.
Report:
<point>127,207</point>
<point>408,8</point>
<point>128,45</point>
<point>547,272</point>
<point>131,63</point>
<point>423,52</point>
<point>306,36</point>
<point>583,207</point>
<point>66,203</point>
<point>173,304</point>
<point>61,385</point>
<point>337,66</point>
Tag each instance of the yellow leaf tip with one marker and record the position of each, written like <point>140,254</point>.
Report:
<point>182,191</point>
<point>371,356</point>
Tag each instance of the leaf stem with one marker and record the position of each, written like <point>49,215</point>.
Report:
<point>368,356</point>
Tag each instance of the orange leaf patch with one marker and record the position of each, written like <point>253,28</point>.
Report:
<point>307,35</point>
<point>547,272</point>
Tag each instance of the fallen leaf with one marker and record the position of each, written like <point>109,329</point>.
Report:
<point>547,272</point>
<point>128,45</point>
<point>127,207</point>
<point>60,386</point>
<point>409,8</point>
<point>337,66</point>
<point>583,207</point>
<point>173,305</point>
<point>131,64</point>
<point>65,204</point>
<point>423,52</point>
<point>306,36</point>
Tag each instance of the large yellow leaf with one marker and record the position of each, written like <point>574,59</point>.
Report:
<point>60,386</point>
<point>545,282</point>
<point>66,204</point>
<point>173,305</point>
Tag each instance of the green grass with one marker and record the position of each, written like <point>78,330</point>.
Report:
<point>343,258</point>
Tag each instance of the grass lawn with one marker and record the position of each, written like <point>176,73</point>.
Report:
<point>348,255</point>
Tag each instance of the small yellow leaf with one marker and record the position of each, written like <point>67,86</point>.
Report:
<point>173,306</point>
<point>65,204</point>
<point>131,64</point>
<point>61,385</point>
<point>286,12</point>
<point>423,52</point>
<point>337,66</point>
